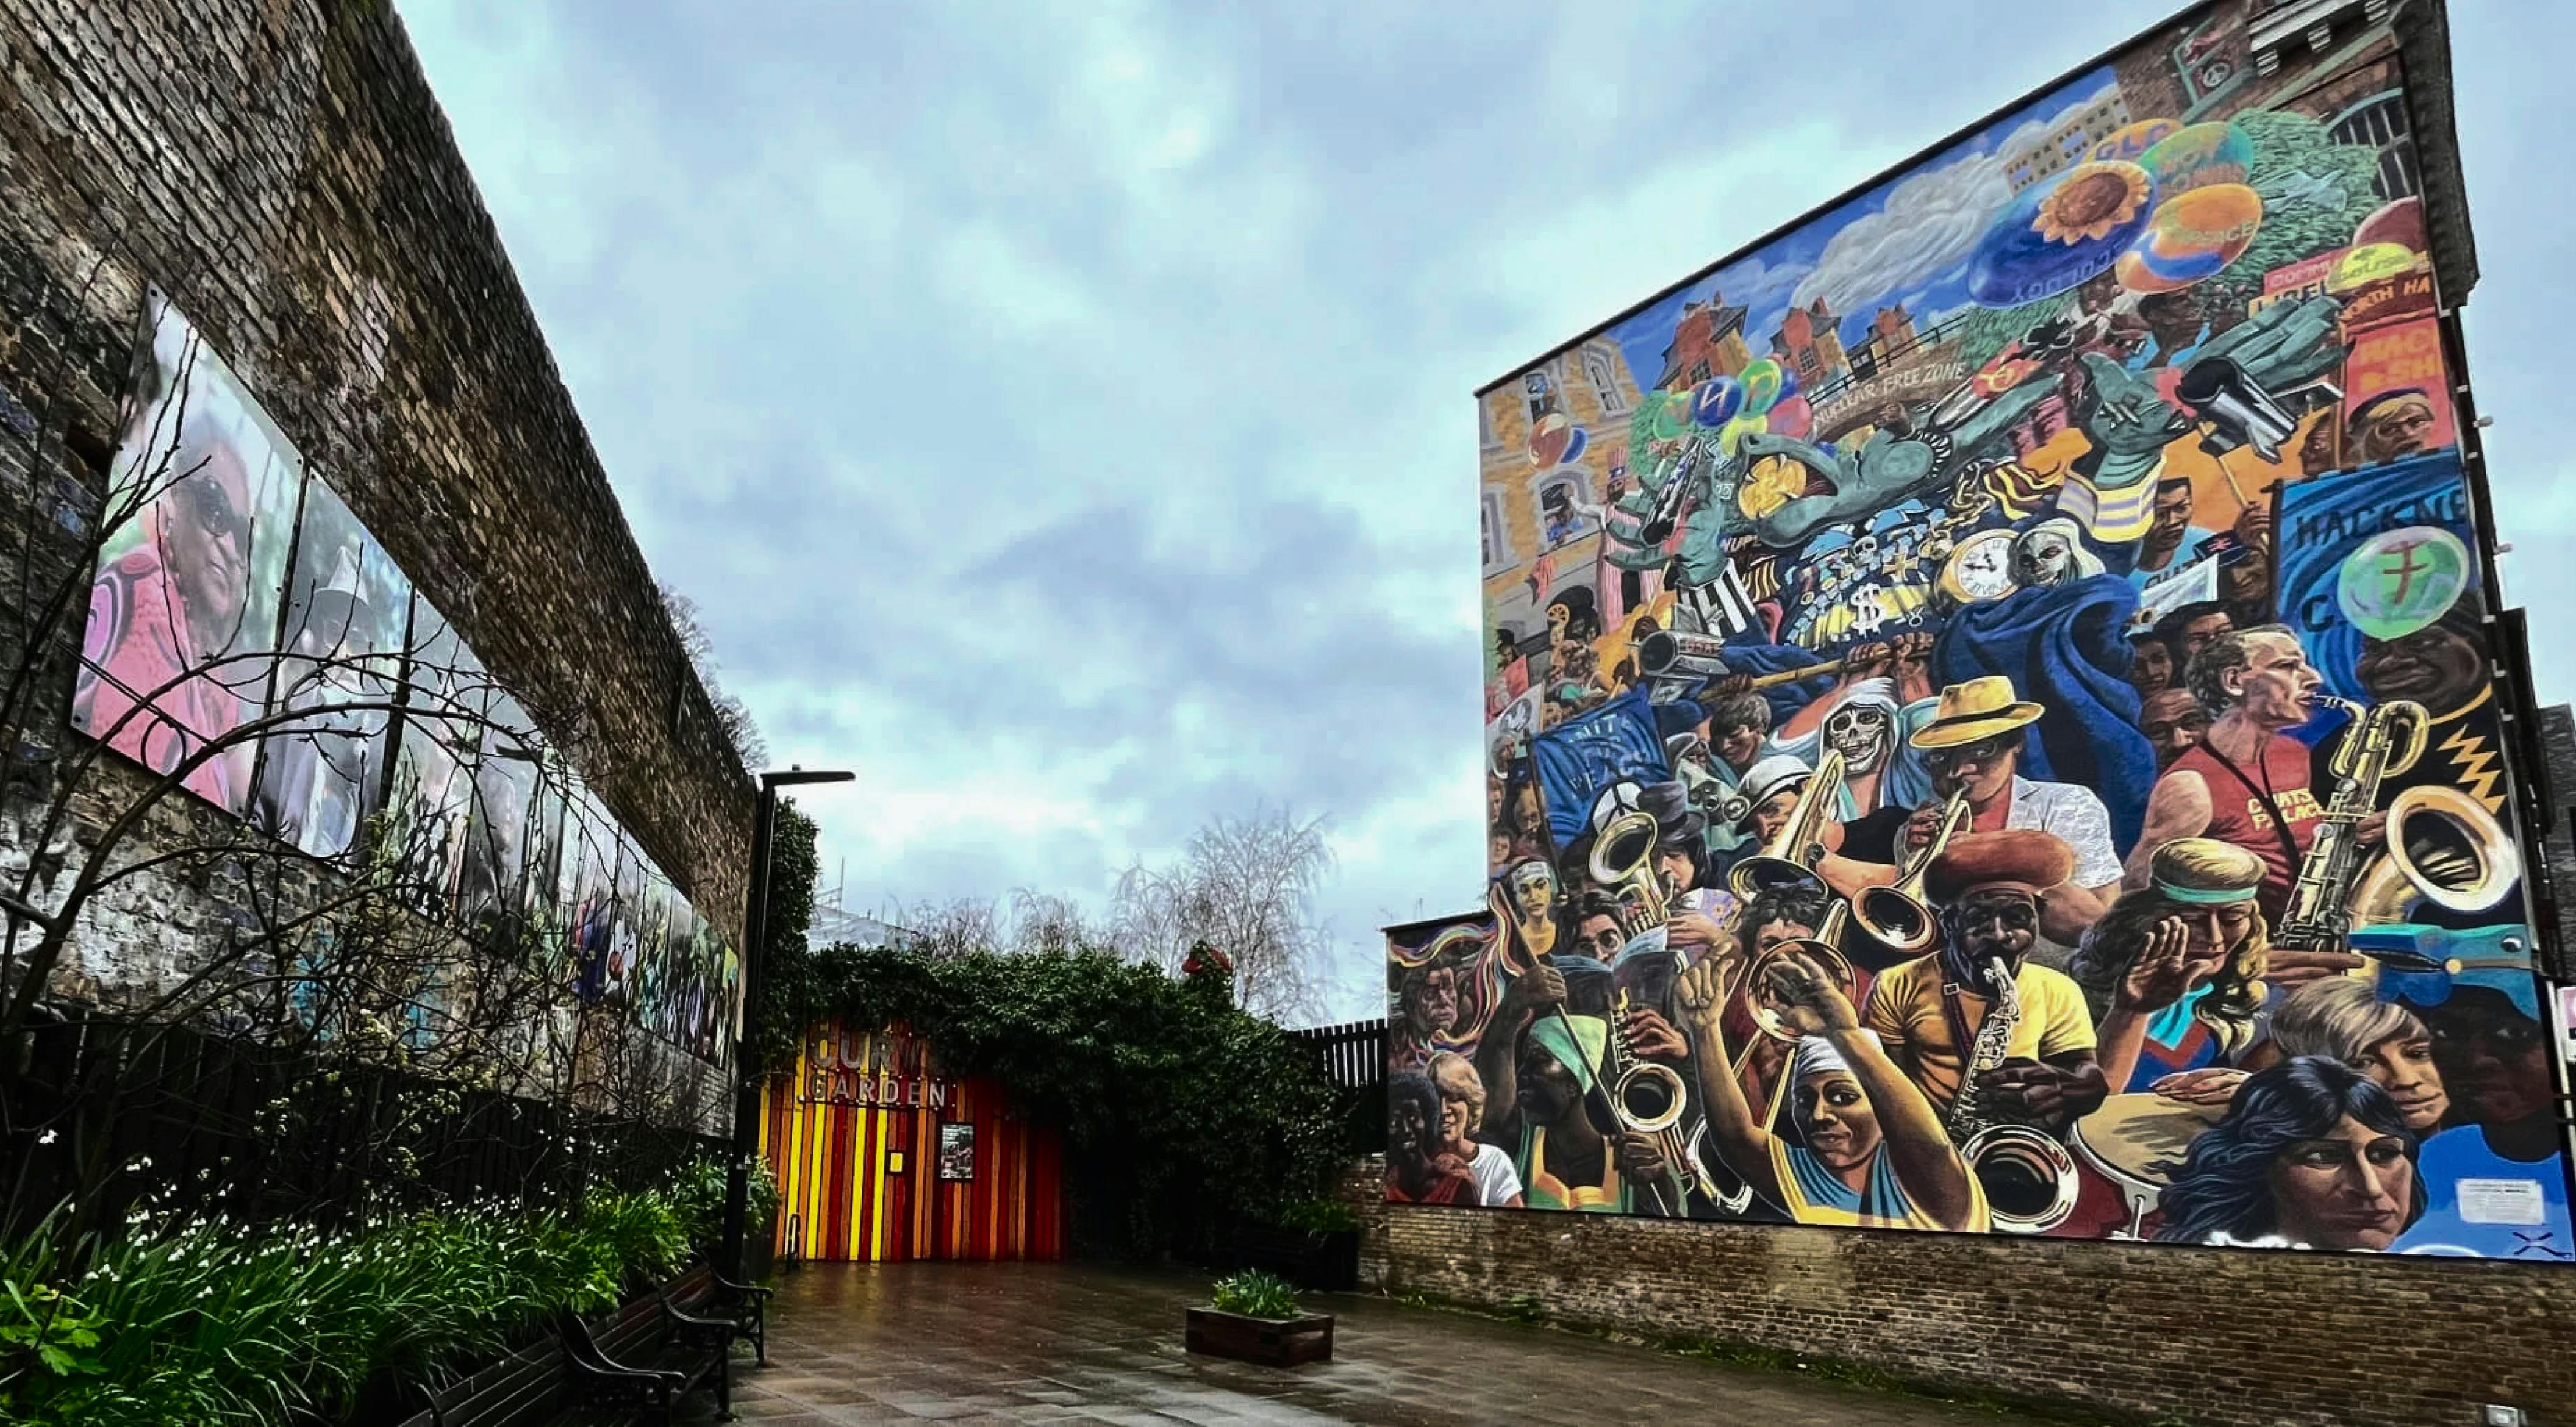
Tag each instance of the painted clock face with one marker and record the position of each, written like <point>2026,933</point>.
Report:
<point>1981,568</point>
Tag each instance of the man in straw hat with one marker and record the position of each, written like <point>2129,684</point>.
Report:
<point>1987,887</point>
<point>1973,743</point>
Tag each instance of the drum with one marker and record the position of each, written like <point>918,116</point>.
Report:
<point>2131,1137</point>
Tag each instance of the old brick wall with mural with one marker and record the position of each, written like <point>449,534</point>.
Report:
<point>2003,728</point>
<point>316,588</point>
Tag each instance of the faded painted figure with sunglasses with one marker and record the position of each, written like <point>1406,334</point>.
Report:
<point>162,615</point>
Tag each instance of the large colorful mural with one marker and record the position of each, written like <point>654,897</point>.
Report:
<point>233,584</point>
<point>1990,721</point>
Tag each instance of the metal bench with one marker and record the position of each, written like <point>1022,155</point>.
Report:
<point>637,1363</point>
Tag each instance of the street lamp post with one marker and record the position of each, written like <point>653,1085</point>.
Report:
<point>755,934</point>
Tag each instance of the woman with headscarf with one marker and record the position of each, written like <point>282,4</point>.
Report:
<point>1870,1150</point>
<point>2311,1154</point>
<point>2174,972</point>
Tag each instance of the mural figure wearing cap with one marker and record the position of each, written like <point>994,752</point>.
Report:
<point>1868,1151</point>
<point>2175,971</point>
<point>1987,887</point>
<point>1971,739</point>
<point>1541,1067</point>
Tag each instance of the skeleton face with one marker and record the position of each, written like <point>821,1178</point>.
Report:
<point>1861,734</point>
<point>1865,549</point>
<point>2043,558</point>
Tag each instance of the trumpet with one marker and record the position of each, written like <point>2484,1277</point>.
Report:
<point>1792,854</point>
<point>1897,917</point>
<point>1623,860</point>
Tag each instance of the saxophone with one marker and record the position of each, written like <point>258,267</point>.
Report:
<point>2028,1178</point>
<point>2383,740</point>
<point>1968,1115</point>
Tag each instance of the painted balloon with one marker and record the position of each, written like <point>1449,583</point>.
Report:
<point>1732,434</point>
<point>1554,439</point>
<point>2192,237</point>
<point>1790,416</point>
<point>1716,401</point>
<point>2198,157</point>
<point>2131,140</point>
<point>1761,379</point>
<point>2056,237</point>
<point>2400,581</point>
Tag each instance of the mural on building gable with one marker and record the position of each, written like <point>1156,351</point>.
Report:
<point>1989,721</point>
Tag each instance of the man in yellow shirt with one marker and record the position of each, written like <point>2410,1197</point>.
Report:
<point>1987,886</point>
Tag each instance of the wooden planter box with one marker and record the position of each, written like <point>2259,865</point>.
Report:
<point>1269,1341</point>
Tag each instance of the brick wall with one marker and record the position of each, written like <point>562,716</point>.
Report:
<point>281,168</point>
<point>2218,1337</point>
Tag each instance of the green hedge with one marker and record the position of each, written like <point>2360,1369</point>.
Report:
<point>1181,1113</point>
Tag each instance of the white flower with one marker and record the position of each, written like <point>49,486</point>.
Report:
<point>46,1138</point>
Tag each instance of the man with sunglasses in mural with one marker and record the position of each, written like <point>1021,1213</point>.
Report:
<point>1988,889</point>
<point>163,613</point>
<point>1971,744</point>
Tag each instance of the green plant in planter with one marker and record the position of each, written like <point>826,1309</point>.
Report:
<point>1254,1294</point>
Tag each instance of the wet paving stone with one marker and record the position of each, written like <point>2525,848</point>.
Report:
<point>1013,1343</point>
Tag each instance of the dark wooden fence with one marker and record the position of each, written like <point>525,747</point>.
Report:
<point>1353,1053</point>
<point>1353,1056</point>
<point>265,1133</point>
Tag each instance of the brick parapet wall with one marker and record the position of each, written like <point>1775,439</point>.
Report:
<point>2216,1337</point>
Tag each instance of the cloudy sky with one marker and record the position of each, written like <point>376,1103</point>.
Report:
<point>1062,413</point>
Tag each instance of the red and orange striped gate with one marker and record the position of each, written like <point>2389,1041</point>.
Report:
<point>881,1156</point>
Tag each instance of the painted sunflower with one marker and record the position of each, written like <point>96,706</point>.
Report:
<point>2091,201</point>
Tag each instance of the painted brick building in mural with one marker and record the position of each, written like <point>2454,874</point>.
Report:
<point>2033,747</point>
<point>266,313</point>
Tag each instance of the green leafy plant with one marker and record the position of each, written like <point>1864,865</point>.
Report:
<point>214,1321</point>
<point>1321,1216</point>
<point>1255,1294</point>
<point>698,1195</point>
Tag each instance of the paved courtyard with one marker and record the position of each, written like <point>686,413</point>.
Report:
<point>1086,1343</point>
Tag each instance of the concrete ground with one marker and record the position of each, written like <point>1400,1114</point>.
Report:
<point>1090,1343</point>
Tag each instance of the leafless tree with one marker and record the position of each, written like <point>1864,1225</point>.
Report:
<point>1247,886</point>
<point>740,728</point>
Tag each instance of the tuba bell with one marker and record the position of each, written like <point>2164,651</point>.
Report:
<point>2443,847</point>
<point>1791,855</point>
<point>2028,1178</point>
<point>1897,917</point>
<point>1623,861</point>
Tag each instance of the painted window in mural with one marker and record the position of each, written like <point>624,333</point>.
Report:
<point>2017,753</point>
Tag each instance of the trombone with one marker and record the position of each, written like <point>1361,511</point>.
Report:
<point>1897,917</point>
<point>1792,853</point>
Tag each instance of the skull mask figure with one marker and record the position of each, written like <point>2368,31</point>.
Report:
<point>1862,733</point>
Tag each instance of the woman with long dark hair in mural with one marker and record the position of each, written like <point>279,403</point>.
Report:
<point>2311,1154</point>
<point>2174,972</point>
<point>1870,1150</point>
